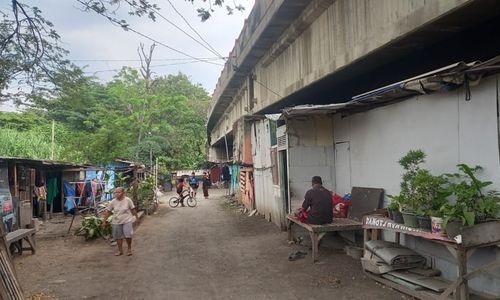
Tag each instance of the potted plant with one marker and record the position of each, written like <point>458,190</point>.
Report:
<point>394,209</point>
<point>408,198</point>
<point>421,192</point>
<point>472,203</point>
<point>430,195</point>
<point>488,207</point>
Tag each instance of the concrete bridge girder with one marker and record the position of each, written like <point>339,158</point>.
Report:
<point>328,38</point>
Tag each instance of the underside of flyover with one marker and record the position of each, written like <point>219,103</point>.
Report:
<point>467,34</point>
<point>223,149</point>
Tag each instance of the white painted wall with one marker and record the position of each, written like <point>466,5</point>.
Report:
<point>310,151</point>
<point>450,131</point>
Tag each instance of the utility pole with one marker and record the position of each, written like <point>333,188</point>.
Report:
<point>156,172</point>
<point>53,139</point>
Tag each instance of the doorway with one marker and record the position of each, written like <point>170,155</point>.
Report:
<point>283,175</point>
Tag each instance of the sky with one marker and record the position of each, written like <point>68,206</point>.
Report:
<point>97,45</point>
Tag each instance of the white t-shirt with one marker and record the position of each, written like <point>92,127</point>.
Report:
<point>121,210</point>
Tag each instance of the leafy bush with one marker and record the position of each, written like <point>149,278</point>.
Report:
<point>145,192</point>
<point>92,227</point>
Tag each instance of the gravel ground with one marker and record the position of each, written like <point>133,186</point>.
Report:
<point>211,251</point>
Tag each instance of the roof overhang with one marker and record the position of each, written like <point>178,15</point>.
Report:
<point>441,80</point>
<point>42,162</point>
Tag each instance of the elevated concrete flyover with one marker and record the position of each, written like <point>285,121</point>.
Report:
<point>326,51</point>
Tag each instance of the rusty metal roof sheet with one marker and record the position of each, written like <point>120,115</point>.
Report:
<point>440,80</point>
<point>43,162</point>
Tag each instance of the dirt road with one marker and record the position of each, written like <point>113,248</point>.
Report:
<point>207,252</point>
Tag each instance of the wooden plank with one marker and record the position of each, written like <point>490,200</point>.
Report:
<point>423,294</point>
<point>433,283</point>
<point>9,285</point>
<point>338,224</point>
<point>378,222</point>
<point>462,291</point>
<point>402,282</point>
<point>364,200</point>
<point>425,272</point>
<point>19,234</point>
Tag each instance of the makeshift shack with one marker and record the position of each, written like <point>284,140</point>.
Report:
<point>30,187</point>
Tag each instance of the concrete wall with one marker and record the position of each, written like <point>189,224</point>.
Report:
<point>450,130</point>
<point>310,151</point>
<point>345,31</point>
<point>328,36</point>
<point>235,110</point>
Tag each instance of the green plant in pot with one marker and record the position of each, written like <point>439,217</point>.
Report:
<point>429,195</point>
<point>488,207</point>
<point>421,192</point>
<point>408,197</point>
<point>472,203</point>
<point>394,209</point>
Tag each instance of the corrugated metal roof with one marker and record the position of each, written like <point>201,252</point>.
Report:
<point>43,162</point>
<point>443,79</point>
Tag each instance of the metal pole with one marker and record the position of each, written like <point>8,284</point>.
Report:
<point>227,149</point>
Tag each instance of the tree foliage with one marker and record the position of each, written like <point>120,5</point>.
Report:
<point>30,53</point>
<point>98,122</point>
<point>31,57</point>
<point>131,117</point>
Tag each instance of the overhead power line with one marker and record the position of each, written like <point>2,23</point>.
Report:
<point>157,59</point>
<point>193,38</point>
<point>173,49</point>
<point>267,88</point>
<point>127,27</point>
<point>153,66</point>
<point>192,28</point>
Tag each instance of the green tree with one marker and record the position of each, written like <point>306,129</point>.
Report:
<point>30,52</point>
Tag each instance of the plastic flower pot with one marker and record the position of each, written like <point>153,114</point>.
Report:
<point>410,219</point>
<point>397,217</point>
<point>424,223</point>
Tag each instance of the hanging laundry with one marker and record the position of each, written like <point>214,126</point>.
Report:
<point>69,204</point>
<point>53,190</point>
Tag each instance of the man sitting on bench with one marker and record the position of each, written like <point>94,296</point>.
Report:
<point>319,202</point>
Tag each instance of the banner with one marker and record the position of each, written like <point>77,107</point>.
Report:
<point>378,222</point>
<point>7,210</point>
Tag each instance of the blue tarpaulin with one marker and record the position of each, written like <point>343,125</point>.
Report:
<point>69,192</point>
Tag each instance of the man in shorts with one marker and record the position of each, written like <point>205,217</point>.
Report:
<point>193,183</point>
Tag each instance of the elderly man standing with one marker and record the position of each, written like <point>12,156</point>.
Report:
<point>319,202</point>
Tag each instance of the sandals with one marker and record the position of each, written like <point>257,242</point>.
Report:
<point>296,255</point>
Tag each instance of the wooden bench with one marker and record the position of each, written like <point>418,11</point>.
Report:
<point>317,232</point>
<point>363,200</point>
<point>15,239</point>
